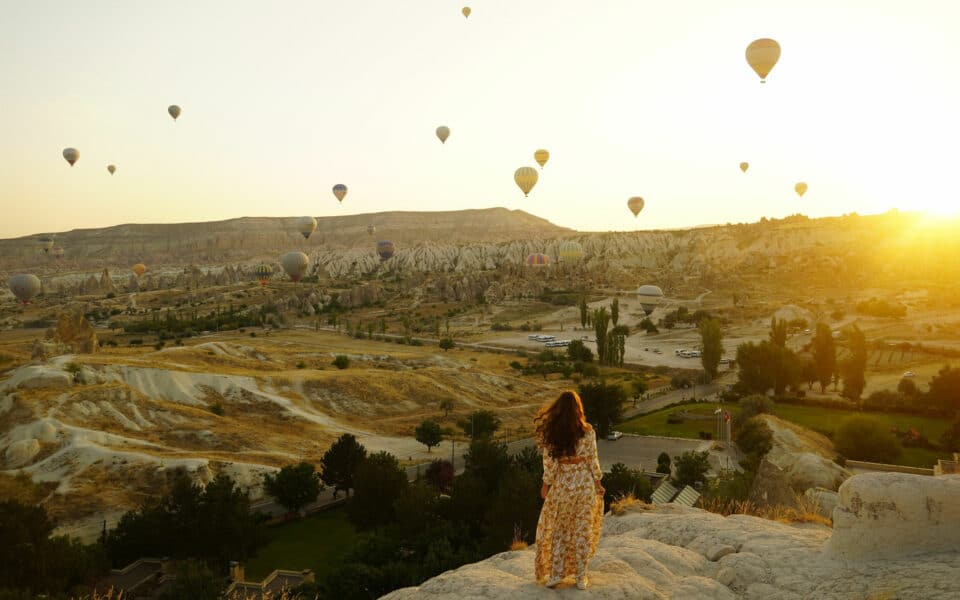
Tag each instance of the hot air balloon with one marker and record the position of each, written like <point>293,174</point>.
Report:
<point>71,155</point>
<point>762,55</point>
<point>541,156</point>
<point>744,166</point>
<point>800,189</point>
<point>443,132</point>
<point>295,264</point>
<point>538,260</point>
<point>649,296</point>
<point>466,11</point>
<point>58,252</point>
<point>526,178</point>
<point>46,243</point>
<point>25,287</point>
<point>305,226</point>
<point>139,269</point>
<point>263,273</point>
<point>635,204</point>
<point>385,249</point>
<point>112,169</point>
<point>174,111</point>
<point>340,191</point>
<point>371,229</point>
<point>570,251</point>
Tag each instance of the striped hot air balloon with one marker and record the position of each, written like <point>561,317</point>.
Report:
<point>538,260</point>
<point>385,249</point>
<point>263,273</point>
<point>570,251</point>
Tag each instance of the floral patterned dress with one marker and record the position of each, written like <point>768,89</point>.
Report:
<point>569,527</point>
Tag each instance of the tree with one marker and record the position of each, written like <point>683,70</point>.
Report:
<point>578,351</point>
<point>340,463</point>
<point>765,365</point>
<point>602,404</point>
<point>647,325</point>
<point>692,467</point>
<point>514,507</point>
<point>488,460</point>
<point>808,373</point>
<point>616,344</point>
<point>711,338</point>
<point>623,481</point>
<point>194,581</point>
<point>440,475</point>
<point>751,406</point>
<point>481,424</point>
<point>429,434</point>
<point>615,311</point>
<point>755,439</point>
<point>824,355</point>
<point>446,344</point>
<point>294,486</point>
<point>855,367</point>
<point>950,441</point>
<point>378,484</point>
<point>446,405</point>
<point>944,394</point>
<point>778,332</point>
<point>637,389</point>
<point>529,459</point>
<point>601,320</point>
<point>908,388</point>
<point>865,438</point>
<point>583,311</point>
<point>663,463</point>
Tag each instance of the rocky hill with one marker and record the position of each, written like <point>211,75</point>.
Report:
<point>894,536</point>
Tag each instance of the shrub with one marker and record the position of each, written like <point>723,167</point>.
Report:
<point>674,418</point>
<point>301,365</point>
<point>752,406</point>
<point>515,364</point>
<point>136,342</point>
<point>663,463</point>
<point>341,361</point>
<point>253,334</point>
<point>864,438</point>
<point>158,346</point>
<point>501,327</point>
<point>217,409</point>
<point>692,467</point>
<point>680,382</point>
<point>446,343</point>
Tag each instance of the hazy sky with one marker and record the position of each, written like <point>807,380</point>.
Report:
<point>282,100</point>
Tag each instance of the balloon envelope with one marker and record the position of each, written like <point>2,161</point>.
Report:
<point>295,264</point>
<point>385,249</point>
<point>112,169</point>
<point>538,260</point>
<point>650,296</point>
<point>58,252</point>
<point>466,11</point>
<point>443,132</point>
<point>526,178</point>
<point>570,251</point>
<point>541,156</point>
<point>71,155</point>
<point>46,243</point>
<point>762,55</point>
<point>139,269</point>
<point>635,204</point>
<point>174,111</point>
<point>340,191</point>
<point>800,189</point>
<point>371,229</point>
<point>263,273</point>
<point>306,225</point>
<point>744,166</point>
<point>24,287</point>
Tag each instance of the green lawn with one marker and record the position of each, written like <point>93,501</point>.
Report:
<point>822,420</point>
<point>319,542</point>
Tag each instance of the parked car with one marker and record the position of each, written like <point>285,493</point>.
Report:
<point>614,435</point>
<point>909,374</point>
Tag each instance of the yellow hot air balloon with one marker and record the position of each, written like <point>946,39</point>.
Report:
<point>635,204</point>
<point>526,178</point>
<point>541,156</point>
<point>800,189</point>
<point>340,191</point>
<point>71,155</point>
<point>570,251</point>
<point>443,132</point>
<point>305,226</point>
<point>112,169</point>
<point>744,166</point>
<point>762,55</point>
<point>139,269</point>
<point>174,111</point>
<point>466,11</point>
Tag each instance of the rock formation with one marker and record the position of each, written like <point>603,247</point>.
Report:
<point>671,551</point>
<point>75,333</point>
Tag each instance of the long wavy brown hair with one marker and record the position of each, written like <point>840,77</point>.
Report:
<point>561,424</point>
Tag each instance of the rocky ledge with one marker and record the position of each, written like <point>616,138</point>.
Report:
<point>896,536</point>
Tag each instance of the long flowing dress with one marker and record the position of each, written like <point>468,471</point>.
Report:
<point>569,527</point>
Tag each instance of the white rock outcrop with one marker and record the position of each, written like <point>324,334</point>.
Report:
<point>677,552</point>
<point>888,515</point>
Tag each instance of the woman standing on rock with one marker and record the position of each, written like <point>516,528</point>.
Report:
<point>569,528</point>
